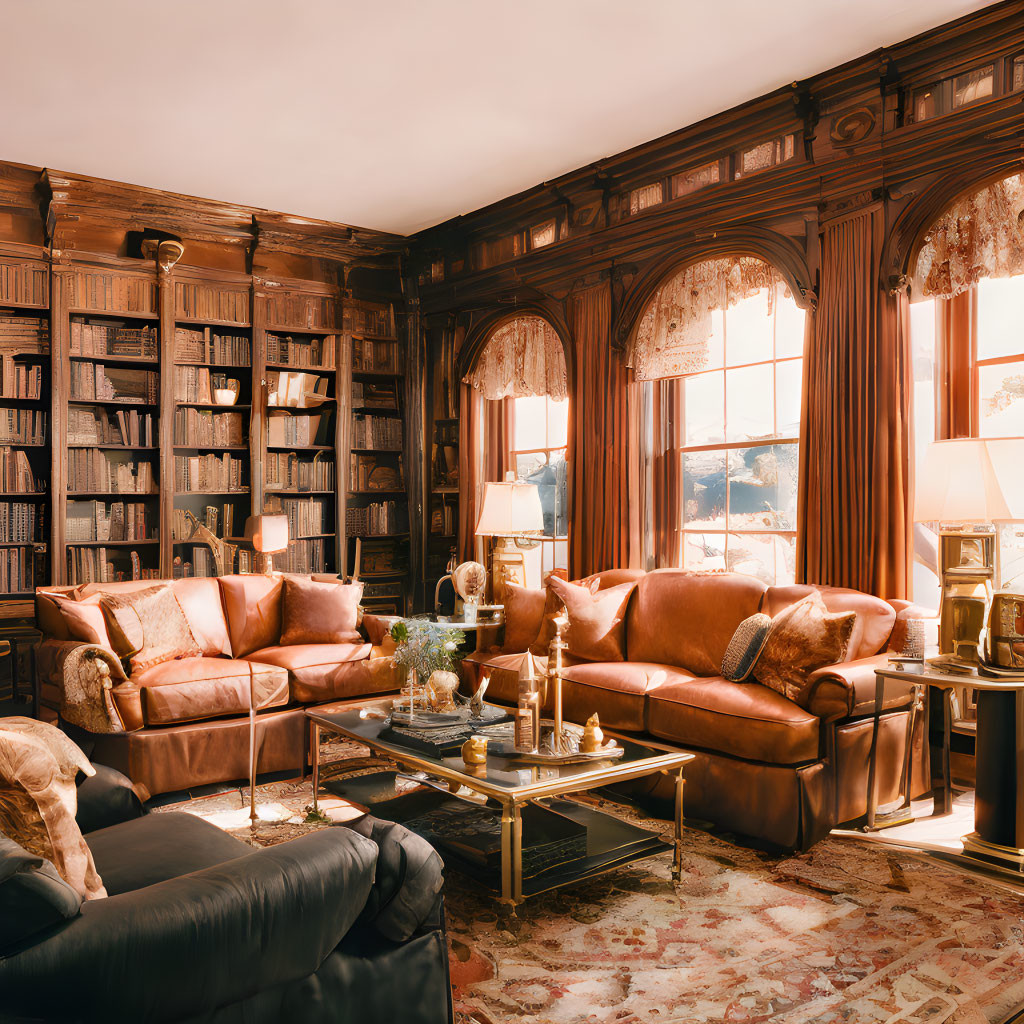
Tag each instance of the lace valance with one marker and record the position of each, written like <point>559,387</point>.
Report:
<point>523,357</point>
<point>674,331</point>
<point>980,235</point>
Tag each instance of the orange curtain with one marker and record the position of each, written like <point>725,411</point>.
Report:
<point>600,429</point>
<point>667,473</point>
<point>485,428</point>
<point>855,443</point>
<point>956,325</point>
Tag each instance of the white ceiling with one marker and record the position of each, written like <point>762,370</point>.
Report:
<point>397,114</point>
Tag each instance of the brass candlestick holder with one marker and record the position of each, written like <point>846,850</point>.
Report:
<point>558,645</point>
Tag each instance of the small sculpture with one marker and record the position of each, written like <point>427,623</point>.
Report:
<point>476,702</point>
<point>593,738</point>
<point>441,689</point>
<point>474,750</point>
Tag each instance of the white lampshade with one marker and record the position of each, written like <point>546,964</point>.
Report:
<point>510,509</point>
<point>971,480</point>
<point>268,534</point>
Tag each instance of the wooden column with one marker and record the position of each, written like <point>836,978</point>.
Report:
<point>60,391</point>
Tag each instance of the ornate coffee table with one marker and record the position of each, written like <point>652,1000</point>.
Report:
<point>513,785</point>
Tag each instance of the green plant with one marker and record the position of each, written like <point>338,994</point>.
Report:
<point>426,646</point>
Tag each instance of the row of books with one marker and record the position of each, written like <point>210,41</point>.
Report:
<point>129,427</point>
<point>442,520</point>
<point>377,320</point>
<point>302,352</point>
<point>285,429</point>
<point>383,395</point>
<point>89,338</point>
<point>199,563</point>
<point>24,426</point>
<point>212,474</point>
<point>378,519</point>
<point>376,432</point>
<point>21,335</point>
<point>16,473</point>
<point>92,470</point>
<point>303,556</point>
<point>203,345</point>
<point>286,471</point>
<point>21,380</point>
<point>367,473</point>
<point>21,522</point>
<point>197,384</point>
<point>307,517</point>
<point>100,521</point>
<point>202,428</point>
<point>380,557</point>
<point>17,570</point>
<point>91,565</point>
<point>212,518</point>
<point>369,356</point>
<point>94,382</point>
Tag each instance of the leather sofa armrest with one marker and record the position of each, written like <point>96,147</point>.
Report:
<point>86,676</point>
<point>106,798</point>
<point>180,948</point>
<point>838,691</point>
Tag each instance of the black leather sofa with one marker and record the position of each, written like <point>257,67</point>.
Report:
<point>200,927</point>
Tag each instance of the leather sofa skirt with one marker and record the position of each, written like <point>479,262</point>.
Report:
<point>178,757</point>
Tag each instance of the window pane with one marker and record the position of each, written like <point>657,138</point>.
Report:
<point>768,557</point>
<point>550,479</point>
<point>748,331</point>
<point>530,422</point>
<point>788,382</point>
<point>749,406</point>
<point>716,343</point>
<point>704,408</point>
<point>1000,317</point>
<point>762,487</point>
<point>975,85</point>
<point>703,551</point>
<point>704,489</point>
<point>790,322</point>
<point>558,423</point>
<point>1000,408</point>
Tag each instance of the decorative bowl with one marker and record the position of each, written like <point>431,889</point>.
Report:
<point>224,396</point>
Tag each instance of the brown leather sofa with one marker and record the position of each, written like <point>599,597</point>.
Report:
<point>767,767</point>
<point>185,723</point>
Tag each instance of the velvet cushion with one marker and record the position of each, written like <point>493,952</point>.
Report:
<point>552,607</point>
<point>803,637</point>
<point>524,615</point>
<point>84,619</point>
<point>319,613</point>
<point>33,897</point>
<point>38,799</point>
<point>597,621</point>
<point>253,608</point>
<point>149,627</point>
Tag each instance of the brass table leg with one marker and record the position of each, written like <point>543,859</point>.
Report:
<point>677,860</point>
<point>511,854</point>
<point>315,752</point>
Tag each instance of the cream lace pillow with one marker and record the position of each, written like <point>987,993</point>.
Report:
<point>148,627</point>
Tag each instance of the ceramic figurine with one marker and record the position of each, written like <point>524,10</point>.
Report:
<point>593,738</point>
<point>476,702</point>
<point>441,689</point>
<point>474,750</point>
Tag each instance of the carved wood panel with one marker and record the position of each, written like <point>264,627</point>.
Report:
<point>293,309</point>
<point>24,283</point>
<point>211,302</point>
<point>107,291</point>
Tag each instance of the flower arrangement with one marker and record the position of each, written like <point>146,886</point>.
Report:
<point>426,646</point>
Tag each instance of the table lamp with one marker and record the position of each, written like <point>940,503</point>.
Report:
<point>966,485</point>
<point>510,513</point>
<point>268,535</point>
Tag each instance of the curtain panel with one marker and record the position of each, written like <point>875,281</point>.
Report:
<point>855,440</point>
<point>522,357</point>
<point>484,429</point>
<point>602,435</point>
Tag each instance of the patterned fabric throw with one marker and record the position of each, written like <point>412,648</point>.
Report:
<point>149,627</point>
<point>745,647</point>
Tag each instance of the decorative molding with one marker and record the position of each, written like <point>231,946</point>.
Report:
<point>853,126</point>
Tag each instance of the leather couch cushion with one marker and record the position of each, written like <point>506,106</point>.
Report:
<point>875,617</point>
<point>156,847</point>
<point>201,602</point>
<point>597,621</point>
<point>745,720</point>
<point>524,615</point>
<point>252,605</point>
<point>192,689</point>
<point>319,613</point>
<point>687,619</point>
<point>319,672</point>
<point>616,690</point>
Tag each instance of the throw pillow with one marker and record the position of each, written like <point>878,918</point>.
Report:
<point>319,613</point>
<point>148,627</point>
<point>252,604</point>
<point>524,615</point>
<point>552,609</point>
<point>38,799</point>
<point>804,637</point>
<point>597,621</point>
<point>745,647</point>
<point>84,619</point>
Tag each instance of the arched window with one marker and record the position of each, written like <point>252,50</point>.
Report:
<point>721,347</point>
<point>520,376</point>
<point>967,337</point>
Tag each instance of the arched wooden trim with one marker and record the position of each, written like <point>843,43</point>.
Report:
<point>778,250</point>
<point>905,238</point>
<point>480,333</point>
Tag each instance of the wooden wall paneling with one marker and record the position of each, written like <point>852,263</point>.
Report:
<point>166,288</point>
<point>24,276</point>
<point>60,389</point>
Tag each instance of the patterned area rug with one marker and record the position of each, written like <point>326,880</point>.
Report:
<point>849,933</point>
